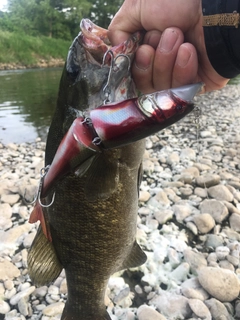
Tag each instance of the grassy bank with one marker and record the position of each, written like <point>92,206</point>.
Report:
<point>20,49</point>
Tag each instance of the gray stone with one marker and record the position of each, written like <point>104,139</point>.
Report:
<point>208,180</point>
<point>53,309</point>
<point>144,196</point>
<point>221,284</point>
<point>8,271</point>
<point>192,289</point>
<point>195,259</point>
<point>214,240</point>
<point>199,309</point>
<point>201,192</point>
<point>4,307</point>
<point>10,198</point>
<point>172,305</point>
<point>181,212</point>
<point>215,208</point>
<point>220,192</point>
<point>147,313</point>
<point>173,158</point>
<point>163,216</point>
<point>217,309</point>
<point>235,222</point>
<point>204,222</point>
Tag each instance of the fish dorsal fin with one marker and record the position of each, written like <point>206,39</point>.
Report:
<point>102,178</point>
<point>43,264</point>
<point>136,257</point>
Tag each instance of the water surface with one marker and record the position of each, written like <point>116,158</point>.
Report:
<point>27,102</point>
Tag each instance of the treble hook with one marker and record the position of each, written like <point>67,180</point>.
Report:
<point>105,91</point>
<point>43,173</point>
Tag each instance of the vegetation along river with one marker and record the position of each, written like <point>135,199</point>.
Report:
<point>27,102</point>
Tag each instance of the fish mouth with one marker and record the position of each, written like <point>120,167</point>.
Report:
<point>96,43</point>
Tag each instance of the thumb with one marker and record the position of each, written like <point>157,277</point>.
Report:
<point>125,22</point>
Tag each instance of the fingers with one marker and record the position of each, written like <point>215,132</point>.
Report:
<point>165,57</point>
<point>186,66</point>
<point>164,61</point>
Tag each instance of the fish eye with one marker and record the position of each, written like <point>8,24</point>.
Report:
<point>179,107</point>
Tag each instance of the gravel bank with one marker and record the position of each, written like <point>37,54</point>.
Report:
<point>189,223</point>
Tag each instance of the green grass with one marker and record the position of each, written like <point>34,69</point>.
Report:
<point>27,50</point>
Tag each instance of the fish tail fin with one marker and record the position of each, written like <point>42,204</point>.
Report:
<point>43,264</point>
<point>68,315</point>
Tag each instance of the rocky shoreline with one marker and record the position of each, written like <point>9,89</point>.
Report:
<point>188,225</point>
<point>42,63</point>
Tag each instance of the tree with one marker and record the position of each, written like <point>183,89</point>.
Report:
<point>102,11</point>
<point>57,18</point>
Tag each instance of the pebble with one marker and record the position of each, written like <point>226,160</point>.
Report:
<point>192,289</point>
<point>215,208</point>
<point>217,309</point>
<point>147,313</point>
<point>204,222</point>
<point>208,180</point>
<point>221,284</point>
<point>199,309</point>
<point>53,309</point>
<point>220,192</point>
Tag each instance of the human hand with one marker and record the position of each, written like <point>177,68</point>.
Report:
<point>158,65</point>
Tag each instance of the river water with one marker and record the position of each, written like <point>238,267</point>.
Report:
<point>27,103</point>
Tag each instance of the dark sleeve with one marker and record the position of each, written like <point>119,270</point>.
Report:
<point>223,42</point>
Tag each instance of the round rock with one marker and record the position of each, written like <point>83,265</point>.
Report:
<point>146,313</point>
<point>204,222</point>
<point>220,283</point>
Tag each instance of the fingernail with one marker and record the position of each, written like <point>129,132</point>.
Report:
<point>142,62</point>
<point>183,56</point>
<point>168,40</point>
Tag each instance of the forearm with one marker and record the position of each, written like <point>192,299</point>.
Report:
<point>222,41</point>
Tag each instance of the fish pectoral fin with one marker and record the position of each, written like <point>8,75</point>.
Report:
<point>38,215</point>
<point>136,257</point>
<point>102,179</point>
<point>43,264</point>
<point>83,168</point>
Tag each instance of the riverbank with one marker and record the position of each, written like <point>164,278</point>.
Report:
<point>188,225</point>
<point>20,51</point>
<point>42,63</point>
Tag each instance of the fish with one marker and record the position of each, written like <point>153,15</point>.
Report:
<point>88,195</point>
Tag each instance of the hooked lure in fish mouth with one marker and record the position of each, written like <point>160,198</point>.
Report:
<point>112,126</point>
